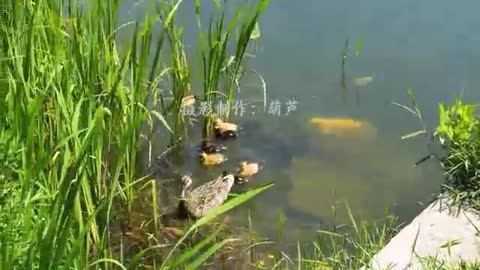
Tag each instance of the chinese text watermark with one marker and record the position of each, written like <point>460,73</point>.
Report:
<point>240,107</point>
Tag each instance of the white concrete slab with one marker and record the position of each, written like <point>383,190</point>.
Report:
<point>436,226</point>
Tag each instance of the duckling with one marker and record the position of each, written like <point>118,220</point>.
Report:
<point>224,129</point>
<point>224,126</point>
<point>188,100</point>
<point>212,159</point>
<point>246,170</point>
<point>226,134</point>
<point>211,148</point>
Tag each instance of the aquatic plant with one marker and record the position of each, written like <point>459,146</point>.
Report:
<point>221,70</point>
<point>344,246</point>
<point>458,134</point>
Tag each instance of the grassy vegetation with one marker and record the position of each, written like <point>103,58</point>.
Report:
<point>347,246</point>
<point>458,135</point>
<point>432,263</point>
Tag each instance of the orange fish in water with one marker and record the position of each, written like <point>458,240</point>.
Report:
<point>343,126</point>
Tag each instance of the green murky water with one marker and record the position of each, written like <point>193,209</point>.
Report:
<point>431,46</point>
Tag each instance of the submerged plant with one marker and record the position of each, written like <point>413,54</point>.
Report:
<point>220,69</point>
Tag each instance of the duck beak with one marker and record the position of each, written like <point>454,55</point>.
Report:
<point>239,180</point>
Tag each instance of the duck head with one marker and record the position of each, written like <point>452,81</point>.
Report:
<point>186,181</point>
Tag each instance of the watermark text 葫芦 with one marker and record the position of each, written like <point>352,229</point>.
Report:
<point>240,107</point>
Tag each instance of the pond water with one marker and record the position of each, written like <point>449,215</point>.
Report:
<point>431,46</point>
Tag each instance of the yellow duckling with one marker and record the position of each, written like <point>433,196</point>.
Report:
<point>246,170</point>
<point>223,129</point>
<point>212,159</point>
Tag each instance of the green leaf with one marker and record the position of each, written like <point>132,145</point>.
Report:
<point>215,212</point>
<point>442,114</point>
<point>195,264</point>
<point>352,219</point>
<point>358,45</point>
<point>111,261</point>
<point>193,251</point>
<point>256,32</point>
<point>451,243</point>
<point>171,14</point>
<point>76,116</point>
<point>412,100</point>
<point>281,224</point>
<point>405,107</point>
<point>162,119</point>
<point>329,233</point>
<point>238,200</point>
<point>413,134</point>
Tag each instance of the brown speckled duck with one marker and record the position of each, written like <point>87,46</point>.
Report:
<point>198,202</point>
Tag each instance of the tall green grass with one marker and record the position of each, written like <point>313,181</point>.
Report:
<point>4,17</point>
<point>222,45</point>
<point>74,119</point>
<point>221,70</point>
<point>70,142</point>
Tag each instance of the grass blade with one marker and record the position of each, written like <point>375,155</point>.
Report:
<point>215,212</point>
<point>413,134</point>
<point>195,264</point>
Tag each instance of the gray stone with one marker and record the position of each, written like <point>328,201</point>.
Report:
<point>431,232</point>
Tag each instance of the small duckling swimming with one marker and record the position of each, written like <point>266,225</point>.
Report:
<point>224,129</point>
<point>211,148</point>
<point>246,170</point>
<point>212,159</point>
